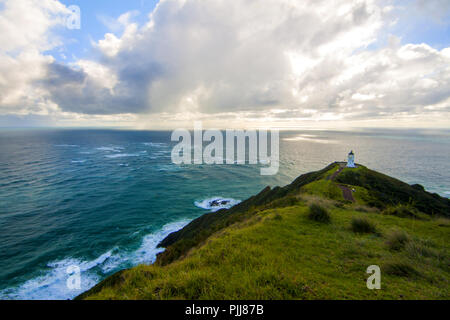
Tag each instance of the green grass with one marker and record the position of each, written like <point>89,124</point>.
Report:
<point>282,254</point>
<point>325,188</point>
<point>271,246</point>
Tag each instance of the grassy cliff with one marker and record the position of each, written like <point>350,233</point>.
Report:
<point>312,239</point>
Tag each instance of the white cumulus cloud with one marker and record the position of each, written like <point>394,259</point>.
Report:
<point>25,33</point>
<point>273,59</point>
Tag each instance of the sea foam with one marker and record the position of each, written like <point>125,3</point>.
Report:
<point>206,204</point>
<point>52,283</point>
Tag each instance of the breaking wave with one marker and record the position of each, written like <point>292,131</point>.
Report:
<point>217,203</point>
<point>52,283</point>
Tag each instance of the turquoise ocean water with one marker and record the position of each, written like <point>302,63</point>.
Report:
<point>103,199</point>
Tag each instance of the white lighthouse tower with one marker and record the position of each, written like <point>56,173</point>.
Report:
<point>351,160</point>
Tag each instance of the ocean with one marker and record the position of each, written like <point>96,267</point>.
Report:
<point>103,199</point>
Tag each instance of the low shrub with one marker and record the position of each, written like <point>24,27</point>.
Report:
<point>396,240</point>
<point>319,214</point>
<point>417,250</point>
<point>405,211</point>
<point>340,205</point>
<point>278,217</point>
<point>443,222</point>
<point>361,209</point>
<point>288,201</point>
<point>400,269</point>
<point>363,225</point>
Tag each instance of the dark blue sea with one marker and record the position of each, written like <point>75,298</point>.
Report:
<point>103,199</point>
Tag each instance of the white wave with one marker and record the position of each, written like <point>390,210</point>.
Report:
<point>52,285</point>
<point>160,155</point>
<point>147,251</point>
<point>168,168</point>
<point>155,144</point>
<point>66,145</point>
<point>161,152</point>
<point>78,161</point>
<point>123,155</point>
<point>206,204</point>
<point>111,149</point>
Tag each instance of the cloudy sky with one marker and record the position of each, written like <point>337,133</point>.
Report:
<point>151,64</point>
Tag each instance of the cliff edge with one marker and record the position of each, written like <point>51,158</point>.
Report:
<point>312,239</point>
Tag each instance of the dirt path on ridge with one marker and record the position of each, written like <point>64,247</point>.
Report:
<point>334,175</point>
<point>346,192</point>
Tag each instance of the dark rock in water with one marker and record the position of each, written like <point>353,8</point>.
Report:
<point>214,203</point>
<point>217,203</point>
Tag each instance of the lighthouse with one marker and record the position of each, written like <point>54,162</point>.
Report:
<point>351,160</point>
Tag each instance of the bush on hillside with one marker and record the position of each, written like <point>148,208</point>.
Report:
<point>400,269</point>
<point>404,211</point>
<point>396,240</point>
<point>319,214</point>
<point>363,225</point>
<point>417,250</point>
